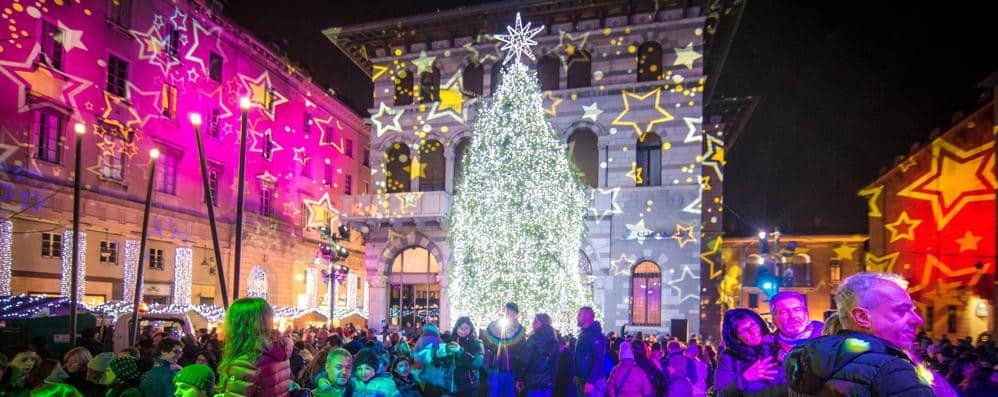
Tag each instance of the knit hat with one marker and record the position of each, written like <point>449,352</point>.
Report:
<point>100,362</point>
<point>431,329</point>
<point>198,375</point>
<point>366,356</point>
<point>126,368</point>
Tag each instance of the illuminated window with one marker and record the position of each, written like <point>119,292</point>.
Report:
<point>168,101</point>
<point>256,286</point>
<point>403,88</point>
<point>431,155</point>
<point>585,157</point>
<point>473,79</point>
<point>113,161</point>
<point>415,294</point>
<point>646,294</point>
<point>51,42</point>
<point>109,252</point>
<point>398,171</point>
<point>649,159</point>
<point>649,61</point>
<point>172,45</point>
<point>156,259</point>
<point>50,127</point>
<point>166,174</point>
<point>52,245</point>
<point>266,202</point>
<point>579,69</point>
<point>549,72</point>
<point>119,12</point>
<point>117,76</point>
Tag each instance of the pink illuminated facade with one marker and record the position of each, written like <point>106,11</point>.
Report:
<point>132,72</point>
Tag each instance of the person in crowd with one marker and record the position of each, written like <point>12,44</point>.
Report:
<point>203,357</point>
<point>982,382</point>
<point>123,374</point>
<point>368,380</point>
<point>540,359</point>
<point>868,357</point>
<point>437,360</point>
<point>656,355</point>
<point>255,361</point>
<point>97,380</point>
<point>627,378</point>
<point>748,364</point>
<point>791,318</point>
<point>74,363</point>
<point>158,381</point>
<point>306,378</point>
<point>130,352</point>
<point>18,369</point>
<point>191,349</point>
<point>48,370</point>
<point>696,369</point>
<point>710,356</point>
<point>298,360</point>
<point>195,380</point>
<point>469,358</point>
<point>565,384</point>
<point>88,339</point>
<point>405,382</point>
<point>505,337</point>
<point>402,349</point>
<point>641,359</point>
<point>590,351</point>
<point>334,380</point>
<point>359,342</point>
<point>679,384</point>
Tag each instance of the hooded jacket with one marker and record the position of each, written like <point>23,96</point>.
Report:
<point>540,364</point>
<point>269,376</point>
<point>854,364</point>
<point>590,352</point>
<point>737,357</point>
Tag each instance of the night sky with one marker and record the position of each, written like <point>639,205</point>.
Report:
<point>843,88</point>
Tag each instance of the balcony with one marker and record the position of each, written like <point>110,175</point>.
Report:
<point>419,207</point>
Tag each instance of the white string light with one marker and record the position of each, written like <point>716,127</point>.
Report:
<point>351,291</point>
<point>518,219</point>
<point>6,257</point>
<point>182,277</point>
<point>311,286</point>
<point>67,265</point>
<point>519,40</point>
<point>129,269</point>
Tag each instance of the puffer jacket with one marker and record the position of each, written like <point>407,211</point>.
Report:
<point>854,364</point>
<point>590,351</point>
<point>269,376</point>
<point>540,362</point>
<point>381,385</point>
<point>627,379</point>
<point>468,362</point>
<point>432,355</point>
<point>407,387</point>
<point>728,379</point>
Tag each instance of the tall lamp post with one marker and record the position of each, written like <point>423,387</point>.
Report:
<point>134,334</point>
<point>209,200</point>
<point>244,105</point>
<point>74,298</point>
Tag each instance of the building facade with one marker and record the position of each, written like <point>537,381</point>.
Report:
<point>932,220</point>
<point>131,72</point>
<point>622,84</point>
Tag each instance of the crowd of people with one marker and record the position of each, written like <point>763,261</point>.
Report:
<point>870,346</point>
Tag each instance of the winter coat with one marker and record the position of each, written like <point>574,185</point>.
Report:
<point>468,362</point>
<point>627,379</point>
<point>269,376</point>
<point>381,385</point>
<point>853,364</point>
<point>813,330</point>
<point>728,379</point>
<point>540,361</point>
<point>680,386</point>
<point>590,351</point>
<point>505,347</point>
<point>407,388</point>
<point>124,390</point>
<point>158,381</point>
<point>437,364</point>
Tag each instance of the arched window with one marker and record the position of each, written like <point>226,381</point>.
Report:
<point>750,273</point>
<point>429,86</point>
<point>650,62</point>
<point>459,152</point>
<point>496,78</point>
<point>798,272</point>
<point>256,285</point>
<point>431,155</point>
<point>646,294</point>
<point>649,160</point>
<point>549,72</point>
<point>415,294</point>
<point>579,69</point>
<point>403,88</point>
<point>397,168</point>
<point>585,156</point>
<point>473,79</point>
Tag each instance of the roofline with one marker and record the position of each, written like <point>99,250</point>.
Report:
<point>806,238</point>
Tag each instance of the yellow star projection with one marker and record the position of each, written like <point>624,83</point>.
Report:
<point>884,264</point>
<point>686,56</point>
<point>956,177</point>
<point>684,235</point>
<point>903,228</point>
<point>415,168</point>
<point>969,241</point>
<point>873,200</point>
<point>932,263</point>
<point>635,174</point>
<point>844,252</point>
<point>320,212</point>
<point>649,99</point>
<point>424,64</point>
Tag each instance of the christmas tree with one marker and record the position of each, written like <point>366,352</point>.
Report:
<point>517,221</point>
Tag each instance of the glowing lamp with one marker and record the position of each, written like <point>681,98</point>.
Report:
<point>504,322</point>
<point>762,235</point>
<point>767,285</point>
<point>244,103</point>
<point>79,128</point>
<point>154,153</point>
<point>195,119</point>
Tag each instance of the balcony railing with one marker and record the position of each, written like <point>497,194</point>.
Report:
<point>397,206</point>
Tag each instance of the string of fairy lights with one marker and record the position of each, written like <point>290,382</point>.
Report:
<point>182,276</point>
<point>6,258</point>
<point>67,264</point>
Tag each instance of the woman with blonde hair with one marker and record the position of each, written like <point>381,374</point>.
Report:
<point>255,361</point>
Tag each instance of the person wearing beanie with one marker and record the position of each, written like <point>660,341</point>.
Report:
<point>123,374</point>
<point>195,380</point>
<point>368,381</point>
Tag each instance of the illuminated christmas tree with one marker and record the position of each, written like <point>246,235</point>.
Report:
<point>517,221</point>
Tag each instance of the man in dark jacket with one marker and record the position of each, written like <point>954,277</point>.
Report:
<point>869,356</point>
<point>590,352</point>
<point>505,345</point>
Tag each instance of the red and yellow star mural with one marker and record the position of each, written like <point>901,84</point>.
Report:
<point>935,212</point>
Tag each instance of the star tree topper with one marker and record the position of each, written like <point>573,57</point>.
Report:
<point>519,40</point>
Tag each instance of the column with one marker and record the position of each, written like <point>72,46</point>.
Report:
<point>445,320</point>
<point>377,304</point>
<point>449,169</point>
<point>414,164</point>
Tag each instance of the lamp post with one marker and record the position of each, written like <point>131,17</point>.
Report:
<point>133,335</point>
<point>210,203</point>
<point>244,105</point>
<point>74,297</point>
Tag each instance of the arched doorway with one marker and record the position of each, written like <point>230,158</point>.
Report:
<point>414,293</point>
